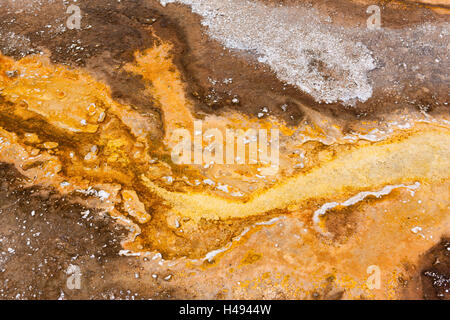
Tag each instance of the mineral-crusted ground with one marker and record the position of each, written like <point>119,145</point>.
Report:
<point>86,118</point>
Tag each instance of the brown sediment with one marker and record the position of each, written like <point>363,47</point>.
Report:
<point>56,232</point>
<point>436,278</point>
<point>430,279</point>
<point>93,122</point>
<point>103,47</point>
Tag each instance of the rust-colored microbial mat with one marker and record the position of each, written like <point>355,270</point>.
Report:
<point>188,149</point>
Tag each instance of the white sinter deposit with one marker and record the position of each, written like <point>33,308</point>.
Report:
<point>320,59</point>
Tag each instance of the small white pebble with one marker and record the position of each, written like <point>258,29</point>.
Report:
<point>168,277</point>
<point>416,229</point>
